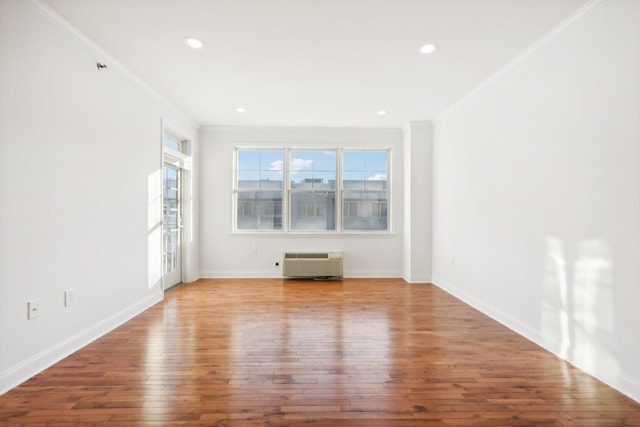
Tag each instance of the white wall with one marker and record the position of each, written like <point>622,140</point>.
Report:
<point>537,195</point>
<point>224,254</point>
<point>80,159</point>
<point>417,209</point>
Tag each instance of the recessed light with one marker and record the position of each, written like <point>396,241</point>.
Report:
<point>240,110</point>
<point>193,43</point>
<point>382,113</point>
<point>427,48</point>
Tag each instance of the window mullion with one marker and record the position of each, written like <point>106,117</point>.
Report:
<point>339,190</point>
<point>286,189</point>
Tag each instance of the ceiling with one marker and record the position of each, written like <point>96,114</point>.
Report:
<point>314,62</point>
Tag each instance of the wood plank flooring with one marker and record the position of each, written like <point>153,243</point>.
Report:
<point>311,353</point>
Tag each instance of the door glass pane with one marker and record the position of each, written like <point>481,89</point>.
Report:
<point>171,217</point>
<point>171,142</point>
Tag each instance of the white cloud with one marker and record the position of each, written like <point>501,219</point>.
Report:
<point>300,165</point>
<point>378,177</point>
<point>276,165</point>
<point>295,166</point>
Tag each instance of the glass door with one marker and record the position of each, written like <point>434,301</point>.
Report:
<point>172,226</point>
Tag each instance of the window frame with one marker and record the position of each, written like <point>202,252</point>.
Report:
<point>364,190</point>
<point>287,191</point>
<point>256,210</point>
<point>291,191</point>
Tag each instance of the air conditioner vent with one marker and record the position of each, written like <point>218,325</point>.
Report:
<point>317,255</point>
<point>312,264</point>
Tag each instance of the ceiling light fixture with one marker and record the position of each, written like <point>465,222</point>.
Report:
<point>193,43</point>
<point>427,48</point>
<point>382,113</point>
<point>240,110</point>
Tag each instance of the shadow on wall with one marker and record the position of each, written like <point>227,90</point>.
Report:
<point>578,311</point>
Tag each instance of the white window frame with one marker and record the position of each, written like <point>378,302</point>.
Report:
<point>287,191</point>
<point>388,191</point>
<point>237,190</point>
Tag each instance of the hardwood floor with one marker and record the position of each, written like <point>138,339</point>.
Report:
<point>291,353</point>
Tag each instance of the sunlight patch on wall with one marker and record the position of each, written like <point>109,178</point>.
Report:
<point>154,223</point>
<point>578,311</point>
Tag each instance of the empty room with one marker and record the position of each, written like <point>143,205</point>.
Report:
<point>320,213</point>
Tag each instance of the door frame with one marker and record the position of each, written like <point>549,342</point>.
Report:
<point>174,277</point>
<point>182,160</point>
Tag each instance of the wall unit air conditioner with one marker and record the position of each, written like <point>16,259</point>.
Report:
<point>312,264</point>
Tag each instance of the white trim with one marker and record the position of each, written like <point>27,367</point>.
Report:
<point>184,162</point>
<point>417,279</point>
<point>308,234</point>
<point>276,273</point>
<point>176,158</point>
<point>556,32</point>
<point>621,382</point>
<point>222,128</point>
<point>53,16</point>
<point>23,371</point>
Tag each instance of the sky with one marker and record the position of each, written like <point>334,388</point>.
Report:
<point>256,165</point>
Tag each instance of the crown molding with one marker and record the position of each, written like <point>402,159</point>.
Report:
<point>550,36</point>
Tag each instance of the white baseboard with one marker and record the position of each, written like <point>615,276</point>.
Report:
<point>364,274</point>
<point>417,279</point>
<point>230,274</point>
<point>41,361</point>
<point>620,381</point>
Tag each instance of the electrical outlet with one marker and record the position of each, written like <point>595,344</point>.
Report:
<point>254,252</point>
<point>69,297</point>
<point>33,309</point>
<point>453,263</point>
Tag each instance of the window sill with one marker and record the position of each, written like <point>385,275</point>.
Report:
<point>293,234</point>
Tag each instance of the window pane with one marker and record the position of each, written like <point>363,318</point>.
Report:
<point>376,181</point>
<point>324,180</point>
<point>300,161</point>
<point>324,160</point>
<point>248,179</point>
<point>365,211</point>
<point>248,160</point>
<point>302,180</point>
<point>368,165</point>
<point>271,180</point>
<point>314,211</point>
<point>366,171</point>
<point>376,160</point>
<point>353,160</point>
<point>353,180</point>
<point>171,142</point>
<point>259,210</point>
<point>272,160</point>
<point>313,160</point>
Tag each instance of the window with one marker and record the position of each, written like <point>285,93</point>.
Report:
<point>312,190</point>
<point>259,189</point>
<point>171,142</point>
<point>365,190</point>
